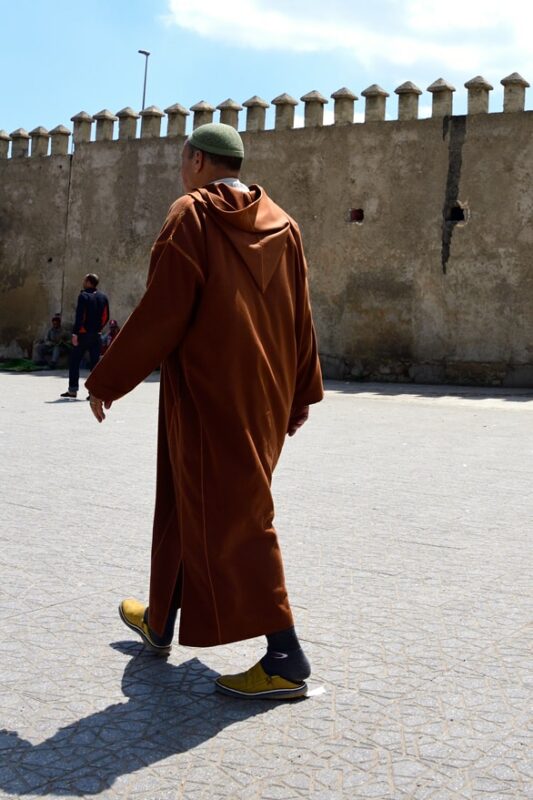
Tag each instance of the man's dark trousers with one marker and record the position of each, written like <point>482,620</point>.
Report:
<point>86,342</point>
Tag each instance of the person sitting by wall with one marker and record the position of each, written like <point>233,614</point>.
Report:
<point>107,338</point>
<point>47,352</point>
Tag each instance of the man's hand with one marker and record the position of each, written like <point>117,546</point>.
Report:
<point>297,419</point>
<point>97,407</point>
<point>75,339</point>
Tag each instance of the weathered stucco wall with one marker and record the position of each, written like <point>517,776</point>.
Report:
<point>120,194</point>
<point>402,296</point>
<point>33,205</point>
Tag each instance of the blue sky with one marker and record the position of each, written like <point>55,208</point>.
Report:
<point>59,57</point>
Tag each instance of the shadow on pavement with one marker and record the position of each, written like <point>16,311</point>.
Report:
<point>63,374</point>
<point>65,400</point>
<point>170,709</point>
<point>385,389</point>
<point>431,390</point>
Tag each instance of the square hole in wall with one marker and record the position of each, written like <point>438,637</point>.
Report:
<point>458,214</point>
<point>356,215</point>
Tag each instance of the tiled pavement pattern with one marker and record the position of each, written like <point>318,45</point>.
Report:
<point>404,515</point>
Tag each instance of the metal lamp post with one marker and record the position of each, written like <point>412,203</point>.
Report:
<point>146,54</point>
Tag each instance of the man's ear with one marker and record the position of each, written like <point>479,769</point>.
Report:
<point>198,160</point>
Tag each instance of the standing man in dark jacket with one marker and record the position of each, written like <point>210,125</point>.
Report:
<point>92,314</point>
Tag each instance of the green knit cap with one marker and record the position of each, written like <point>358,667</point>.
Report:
<point>217,138</point>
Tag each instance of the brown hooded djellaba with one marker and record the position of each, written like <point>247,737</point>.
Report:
<point>226,314</point>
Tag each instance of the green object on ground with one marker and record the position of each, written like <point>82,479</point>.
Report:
<point>20,365</point>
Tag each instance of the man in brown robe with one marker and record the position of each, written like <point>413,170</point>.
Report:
<point>226,314</point>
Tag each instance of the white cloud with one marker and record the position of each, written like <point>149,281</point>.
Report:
<point>473,15</point>
<point>479,36</point>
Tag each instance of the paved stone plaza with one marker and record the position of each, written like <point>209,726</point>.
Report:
<point>404,514</point>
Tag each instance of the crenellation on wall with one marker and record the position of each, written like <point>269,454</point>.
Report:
<point>59,140</point>
<point>176,119</point>
<point>255,113</point>
<point>151,122</point>
<point>20,143</point>
<point>375,103</point>
<point>478,95</point>
<point>83,123</point>
<point>314,109</point>
<point>5,139</point>
<point>442,98</point>
<point>514,93</point>
<point>203,113</point>
<point>229,112</point>
<point>343,111</point>
<point>285,105</point>
<point>40,138</point>
<point>409,95</point>
<point>127,123</point>
<point>105,125</point>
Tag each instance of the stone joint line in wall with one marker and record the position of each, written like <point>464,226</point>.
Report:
<point>56,141</point>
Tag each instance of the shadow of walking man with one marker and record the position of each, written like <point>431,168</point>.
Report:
<point>170,709</point>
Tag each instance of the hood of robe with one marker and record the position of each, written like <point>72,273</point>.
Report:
<point>256,227</point>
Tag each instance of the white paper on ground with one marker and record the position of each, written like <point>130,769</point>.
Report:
<point>316,692</point>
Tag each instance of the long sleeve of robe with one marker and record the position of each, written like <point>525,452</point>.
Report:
<point>226,314</point>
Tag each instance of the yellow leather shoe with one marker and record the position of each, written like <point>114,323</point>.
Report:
<point>132,614</point>
<point>255,683</point>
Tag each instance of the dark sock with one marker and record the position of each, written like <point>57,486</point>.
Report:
<point>168,633</point>
<point>166,639</point>
<point>285,657</point>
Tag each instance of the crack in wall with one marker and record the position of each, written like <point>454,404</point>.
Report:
<point>65,238</point>
<point>456,128</point>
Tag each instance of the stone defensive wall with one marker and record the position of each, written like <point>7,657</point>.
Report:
<point>418,232</point>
